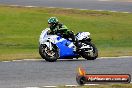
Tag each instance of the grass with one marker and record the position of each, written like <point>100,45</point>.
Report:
<point>20,29</point>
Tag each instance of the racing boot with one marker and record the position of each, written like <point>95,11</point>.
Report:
<point>74,40</point>
<point>77,46</point>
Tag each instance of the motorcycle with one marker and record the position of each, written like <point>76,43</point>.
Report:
<point>53,47</point>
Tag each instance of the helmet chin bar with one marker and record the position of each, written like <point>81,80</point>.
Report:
<point>53,26</point>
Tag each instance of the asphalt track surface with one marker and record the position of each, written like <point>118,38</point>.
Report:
<point>114,5</point>
<point>22,74</point>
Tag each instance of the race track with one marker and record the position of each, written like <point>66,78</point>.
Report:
<point>114,5</point>
<point>38,73</point>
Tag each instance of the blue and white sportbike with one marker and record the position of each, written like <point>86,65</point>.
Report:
<point>53,47</point>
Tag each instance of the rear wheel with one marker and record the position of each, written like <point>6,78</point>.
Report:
<point>91,53</point>
<point>47,54</point>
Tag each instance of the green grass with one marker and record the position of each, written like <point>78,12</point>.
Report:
<point>20,29</point>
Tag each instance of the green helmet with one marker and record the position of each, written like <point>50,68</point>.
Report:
<point>53,20</point>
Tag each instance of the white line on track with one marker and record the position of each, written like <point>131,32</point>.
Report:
<point>99,10</point>
<point>5,61</point>
<point>104,0</point>
<point>126,12</point>
<point>71,85</point>
<point>30,6</point>
<point>113,11</point>
<point>31,59</point>
<point>49,86</point>
<point>16,60</point>
<point>91,84</point>
<point>83,9</point>
<point>51,7</point>
<point>32,87</point>
<point>14,5</point>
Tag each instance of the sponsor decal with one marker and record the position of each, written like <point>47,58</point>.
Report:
<point>83,78</point>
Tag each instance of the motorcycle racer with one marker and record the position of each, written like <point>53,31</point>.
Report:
<point>53,46</point>
<point>61,30</point>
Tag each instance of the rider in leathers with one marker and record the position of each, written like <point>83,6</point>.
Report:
<point>61,29</point>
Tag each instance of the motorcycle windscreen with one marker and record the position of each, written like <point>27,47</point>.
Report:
<point>65,49</point>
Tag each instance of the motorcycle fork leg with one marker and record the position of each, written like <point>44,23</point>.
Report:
<point>50,46</point>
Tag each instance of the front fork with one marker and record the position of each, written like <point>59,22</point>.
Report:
<point>48,44</point>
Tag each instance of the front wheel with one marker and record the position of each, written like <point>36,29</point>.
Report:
<point>47,54</point>
<point>91,53</point>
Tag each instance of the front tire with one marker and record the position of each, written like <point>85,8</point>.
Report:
<point>47,54</point>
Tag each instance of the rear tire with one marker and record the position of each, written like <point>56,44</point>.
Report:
<point>95,52</point>
<point>48,57</point>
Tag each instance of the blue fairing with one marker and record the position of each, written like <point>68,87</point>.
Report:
<point>65,51</point>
